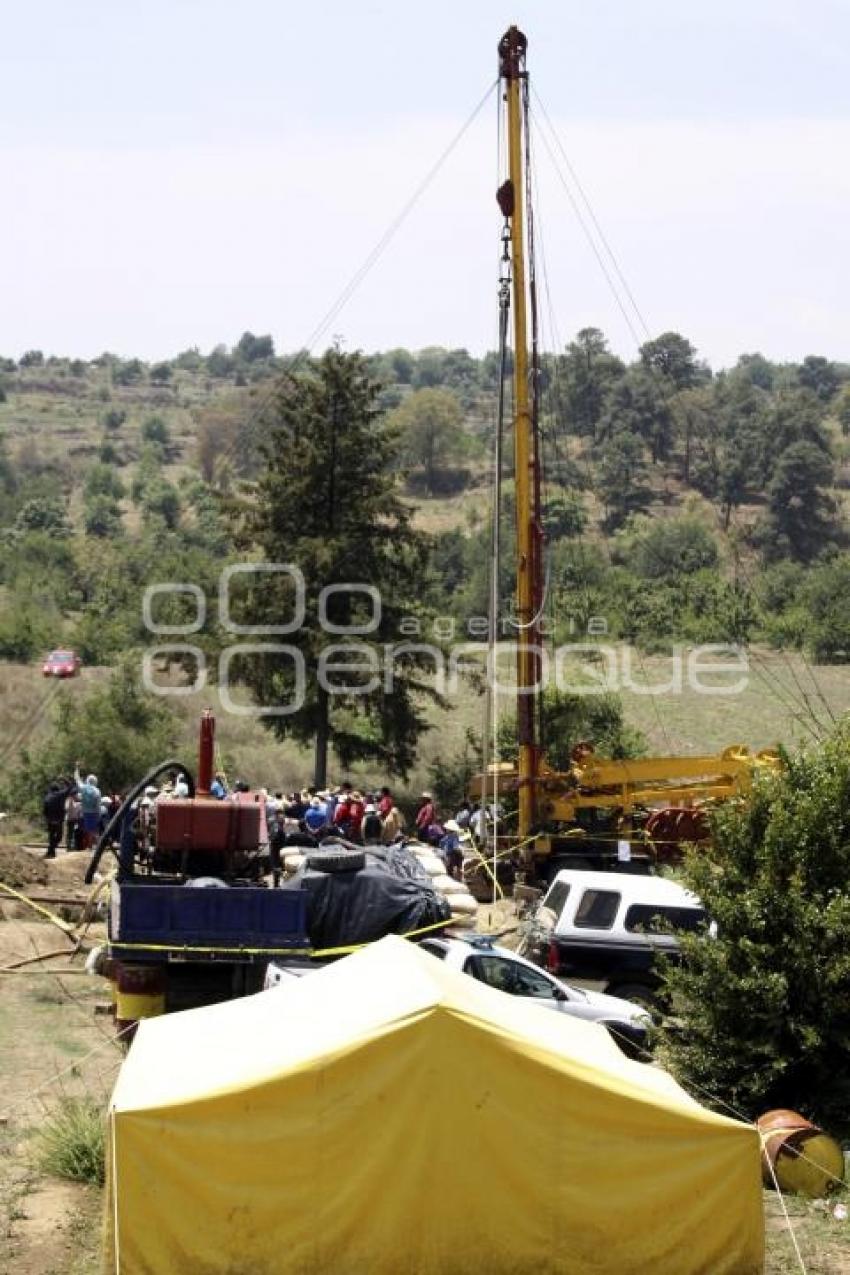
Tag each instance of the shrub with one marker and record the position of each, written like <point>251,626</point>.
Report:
<point>762,1009</point>
<point>71,1142</point>
<point>155,430</point>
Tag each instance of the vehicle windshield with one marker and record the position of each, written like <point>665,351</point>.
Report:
<point>61,655</point>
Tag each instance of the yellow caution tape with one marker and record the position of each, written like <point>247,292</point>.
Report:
<point>37,907</point>
<point>193,950</point>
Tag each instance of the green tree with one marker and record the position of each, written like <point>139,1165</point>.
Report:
<point>161,373</point>
<point>114,418</point>
<point>403,365</point>
<point>762,1007</point>
<point>250,348</point>
<point>841,408</point>
<point>820,376</point>
<point>161,502</point>
<point>825,599</point>
<point>564,516</point>
<point>571,719</point>
<point>430,370</point>
<point>583,377</point>
<point>129,372</point>
<point>673,357</point>
<point>32,358</point>
<point>155,430</point>
<point>672,547</point>
<point>326,502</point>
<point>430,423</point>
<point>622,479</point>
<point>800,510</point>
<point>43,514</point>
<point>102,480</point>
<point>219,361</point>
<point>101,516</point>
<point>638,405</point>
<point>757,370</point>
<point>793,416</point>
<point>190,360</point>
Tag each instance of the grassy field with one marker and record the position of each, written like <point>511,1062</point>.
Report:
<point>783,701</point>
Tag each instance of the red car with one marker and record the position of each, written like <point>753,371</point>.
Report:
<point>61,664</point>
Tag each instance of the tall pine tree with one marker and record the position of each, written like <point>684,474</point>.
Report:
<point>326,502</point>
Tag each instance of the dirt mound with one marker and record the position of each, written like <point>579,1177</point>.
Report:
<point>18,868</point>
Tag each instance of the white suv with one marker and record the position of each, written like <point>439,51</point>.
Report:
<point>607,927</point>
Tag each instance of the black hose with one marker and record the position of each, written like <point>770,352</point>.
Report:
<point>104,843</point>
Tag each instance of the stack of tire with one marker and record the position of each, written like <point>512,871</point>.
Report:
<point>464,907</point>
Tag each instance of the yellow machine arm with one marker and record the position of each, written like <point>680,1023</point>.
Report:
<point>593,782</point>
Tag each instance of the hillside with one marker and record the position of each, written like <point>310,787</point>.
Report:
<point>681,508</point>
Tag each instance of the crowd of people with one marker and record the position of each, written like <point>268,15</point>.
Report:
<point>79,810</point>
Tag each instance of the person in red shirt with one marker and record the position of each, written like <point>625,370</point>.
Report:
<point>357,810</point>
<point>342,813</point>
<point>426,815</point>
<point>385,803</point>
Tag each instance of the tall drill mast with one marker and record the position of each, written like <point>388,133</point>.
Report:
<point>512,72</point>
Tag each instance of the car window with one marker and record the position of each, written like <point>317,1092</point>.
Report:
<point>597,909</point>
<point>511,977</point>
<point>557,896</point>
<point>495,971</point>
<point>533,983</point>
<point>651,918</point>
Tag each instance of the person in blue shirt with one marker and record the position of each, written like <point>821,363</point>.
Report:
<point>316,816</point>
<point>449,849</point>
<point>90,798</point>
<point>218,787</point>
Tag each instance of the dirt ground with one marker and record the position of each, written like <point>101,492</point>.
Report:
<point>53,1043</point>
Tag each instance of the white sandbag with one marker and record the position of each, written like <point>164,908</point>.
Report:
<point>433,866</point>
<point>451,887</point>
<point>292,862</point>
<point>463,903</point>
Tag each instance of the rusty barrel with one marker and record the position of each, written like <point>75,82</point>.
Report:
<point>140,993</point>
<point>802,1157</point>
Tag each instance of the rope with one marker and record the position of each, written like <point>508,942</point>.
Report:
<point>22,1100</point>
<point>603,238</point>
<point>804,697</point>
<point>368,263</point>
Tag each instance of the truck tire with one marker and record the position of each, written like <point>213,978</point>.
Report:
<point>336,860</point>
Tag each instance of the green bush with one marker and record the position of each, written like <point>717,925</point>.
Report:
<point>761,1012</point>
<point>71,1142</point>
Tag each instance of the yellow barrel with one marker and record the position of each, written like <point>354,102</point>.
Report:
<point>802,1157</point>
<point>140,993</point>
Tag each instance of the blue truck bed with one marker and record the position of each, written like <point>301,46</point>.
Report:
<point>167,919</point>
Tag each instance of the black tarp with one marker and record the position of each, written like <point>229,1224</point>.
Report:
<point>390,895</point>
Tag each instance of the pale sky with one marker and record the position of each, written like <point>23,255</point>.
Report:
<point>176,172</point>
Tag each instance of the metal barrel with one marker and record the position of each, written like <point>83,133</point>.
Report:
<point>802,1157</point>
<point>140,993</point>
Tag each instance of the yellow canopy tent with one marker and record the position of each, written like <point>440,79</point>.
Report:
<point>386,1116</point>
